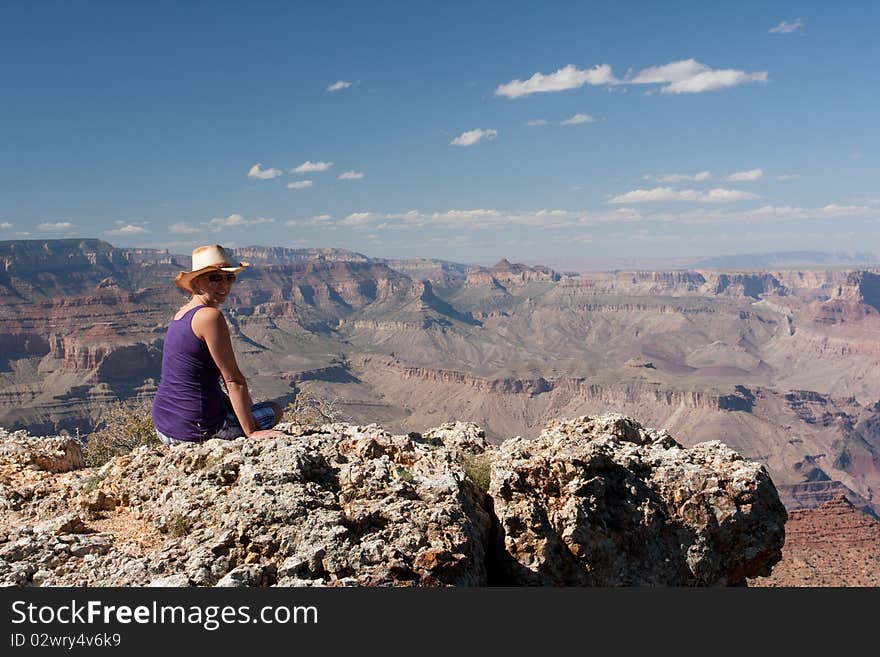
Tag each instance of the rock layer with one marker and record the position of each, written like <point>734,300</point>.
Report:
<point>833,545</point>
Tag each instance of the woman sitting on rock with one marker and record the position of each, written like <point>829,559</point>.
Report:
<point>190,406</point>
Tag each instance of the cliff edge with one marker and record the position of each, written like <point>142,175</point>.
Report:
<point>595,501</point>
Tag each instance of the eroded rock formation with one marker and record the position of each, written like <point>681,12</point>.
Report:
<point>604,502</point>
<point>593,501</point>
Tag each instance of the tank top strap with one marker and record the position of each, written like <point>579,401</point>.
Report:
<point>189,313</point>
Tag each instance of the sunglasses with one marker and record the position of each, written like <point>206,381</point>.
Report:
<point>216,278</point>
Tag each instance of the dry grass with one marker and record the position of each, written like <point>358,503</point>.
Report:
<point>121,428</point>
<point>310,410</point>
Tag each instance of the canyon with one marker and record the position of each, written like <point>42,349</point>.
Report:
<point>780,364</point>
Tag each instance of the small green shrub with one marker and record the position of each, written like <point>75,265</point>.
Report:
<point>93,480</point>
<point>179,525</point>
<point>120,429</point>
<point>405,475</point>
<point>478,468</point>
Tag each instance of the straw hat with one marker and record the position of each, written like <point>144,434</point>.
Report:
<point>205,259</point>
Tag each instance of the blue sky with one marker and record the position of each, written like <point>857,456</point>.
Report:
<point>464,131</point>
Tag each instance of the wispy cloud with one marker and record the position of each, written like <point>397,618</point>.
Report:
<point>482,219</point>
<point>300,184</point>
<point>537,122</point>
<point>578,118</point>
<point>830,211</point>
<point>786,28</point>
<point>477,219</point>
<point>678,177</point>
<point>217,224</point>
<point>234,220</point>
<point>5,224</point>
<point>350,175</point>
<point>360,219</point>
<point>568,77</point>
<point>690,76</point>
<point>788,176</point>
<point>128,229</point>
<point>185,228</point>
<point>257,173</point>
<point>55,226</point>
<point>667,195</point>
<point>339,85</point>
<point>317,220</point>
<point>684,76</point>
<point>471,137</point>
<point>746,176</point>
<point>312,167</point>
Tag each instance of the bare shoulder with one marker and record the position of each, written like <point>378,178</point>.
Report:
<point>207,320</point>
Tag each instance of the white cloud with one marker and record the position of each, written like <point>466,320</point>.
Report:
<point>834,210</point>
<point>128,229</point>
<point>684,76</point>
<point>679,177</point>
<point>672,72</point>
<point>317,220</point>
<point>667,194</point>
<point>350,175</point>
<point>537,122</point>
<point>300,184</point>
<point>339,85</point>
<point>183,227</point>
<point>786,28</point>
<point>235,220</point>
<point>578,118</point>
<point>217,224</point>
<point>231,220</point>
<point>471,137</point>
<point>569,77</point>
<point>830,211</point>
<point>54,227</point>
<point>788,176</point>
<point>746,176</point>
<point>713,80</point>
<point>5,224</point>
<point>263,174</point>
<point>765,214</point>
<point>360,219</point>
<point>479,219</point>
<point>311,167</point>
<point>690,76</point>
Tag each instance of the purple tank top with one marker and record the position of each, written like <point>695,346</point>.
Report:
<point>189,404</point>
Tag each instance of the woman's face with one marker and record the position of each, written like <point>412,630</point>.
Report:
<point>215,286</point>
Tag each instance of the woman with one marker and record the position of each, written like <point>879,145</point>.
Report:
<point>190,406</point>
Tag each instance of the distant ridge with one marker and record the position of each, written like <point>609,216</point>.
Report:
<point>281,255</point>
<point>787,259</point>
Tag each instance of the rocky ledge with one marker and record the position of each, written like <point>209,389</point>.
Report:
<point>592,501</point>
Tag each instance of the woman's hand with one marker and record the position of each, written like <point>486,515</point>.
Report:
<point>267,433</point>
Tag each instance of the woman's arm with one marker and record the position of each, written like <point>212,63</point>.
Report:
<point>209,324</point>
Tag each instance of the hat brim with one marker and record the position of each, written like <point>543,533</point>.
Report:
<point>185,278</point>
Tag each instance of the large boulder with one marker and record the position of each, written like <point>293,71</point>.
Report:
<point>604,502</point>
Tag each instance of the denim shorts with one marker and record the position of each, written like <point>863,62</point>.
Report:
<point>264,416</point>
